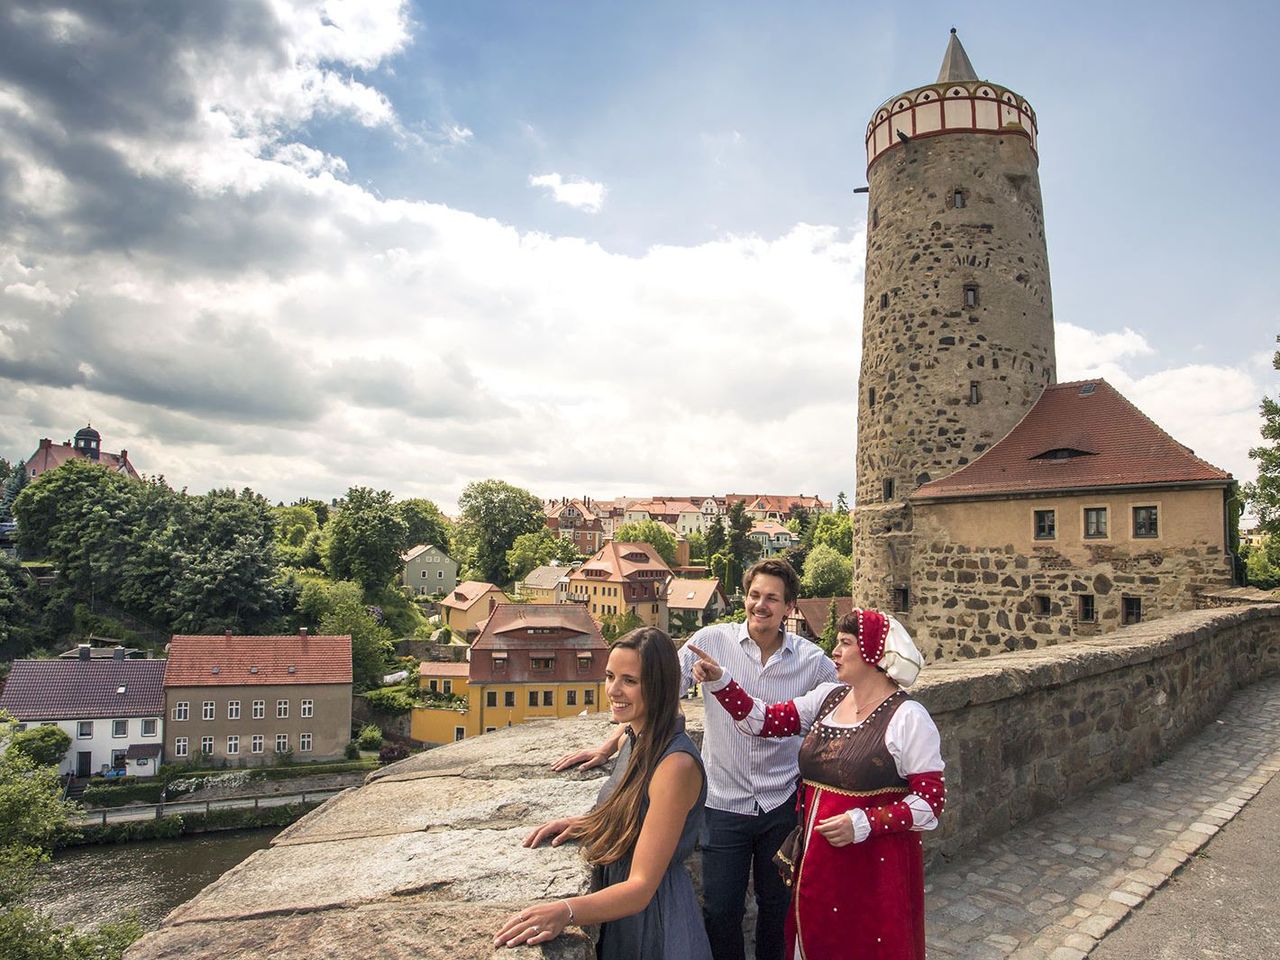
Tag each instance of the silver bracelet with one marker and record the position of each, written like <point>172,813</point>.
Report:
<point>568,907</point>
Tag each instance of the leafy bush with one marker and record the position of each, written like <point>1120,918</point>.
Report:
<point>393,752</point>
<point>43,746</point>
<point>392,701</point>
<point>116,795</point>
<point>370,737</point>
<point>352,752</point>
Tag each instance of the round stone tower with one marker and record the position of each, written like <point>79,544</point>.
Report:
<point>957,322</point>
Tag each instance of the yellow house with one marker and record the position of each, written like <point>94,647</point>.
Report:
<point>623,577</point>
<point>530,662</point>
<point>468,605</point>
<point>546,584</point>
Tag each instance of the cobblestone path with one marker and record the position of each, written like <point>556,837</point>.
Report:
<point>1051,889</point>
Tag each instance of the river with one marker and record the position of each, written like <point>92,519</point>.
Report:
<point>86,885</point>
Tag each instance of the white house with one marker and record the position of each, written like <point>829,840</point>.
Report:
<point>113,710</point>
<point>773,537</point>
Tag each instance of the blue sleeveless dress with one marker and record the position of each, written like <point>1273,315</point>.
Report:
<point>670,927</point>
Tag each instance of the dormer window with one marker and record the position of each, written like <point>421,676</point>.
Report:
<point>1063,453</point>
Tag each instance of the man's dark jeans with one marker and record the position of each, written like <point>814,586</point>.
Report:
<point>739,846</point>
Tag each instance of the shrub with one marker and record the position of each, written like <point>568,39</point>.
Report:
<point>43,746</point>
<point>370,737</point>
<point>393,752</point>
<point>122,795</point>
<point>352,752</point>
<point>392,701</point>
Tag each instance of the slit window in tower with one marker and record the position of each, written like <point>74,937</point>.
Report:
<point>957,199</point>
<point>995,363</point>
<point>875,217</point>
<point>901,600</point>
<point>970,294</point>
<point>871,398</point>
<point>884,301</point>
<point>886,487</point>
<point>975,395</point>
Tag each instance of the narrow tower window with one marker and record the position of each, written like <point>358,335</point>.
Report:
<point>970,294</point>
<point>875,217</point>
<point>884,301</point>
<point>957,199</point>
<point>887,486</point>
<point>975,395</point>
<point>871,398</point>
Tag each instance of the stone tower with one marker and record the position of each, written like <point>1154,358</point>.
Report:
<point>957,329</point>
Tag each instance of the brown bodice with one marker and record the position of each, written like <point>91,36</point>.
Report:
<point>852,759</point>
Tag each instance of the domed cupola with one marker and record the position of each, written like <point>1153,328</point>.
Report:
<point>88,442</point>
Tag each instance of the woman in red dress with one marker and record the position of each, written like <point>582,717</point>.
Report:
<point>871,772</point>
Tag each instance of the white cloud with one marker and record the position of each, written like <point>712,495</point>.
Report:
<point>574,192</point>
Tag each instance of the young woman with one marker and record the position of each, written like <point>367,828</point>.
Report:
<point>643,826</point>
<point>871,768</point>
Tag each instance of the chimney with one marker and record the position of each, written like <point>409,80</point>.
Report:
<point>45,443</point>
<point>228,634</point>
<point>302,632</point>
<point>124,454</point>
<point>82,650</point>
<point>117,653</point>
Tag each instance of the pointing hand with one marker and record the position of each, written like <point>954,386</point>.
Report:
<point>705,670</point>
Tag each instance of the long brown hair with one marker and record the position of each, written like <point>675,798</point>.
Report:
<point>611,829</point>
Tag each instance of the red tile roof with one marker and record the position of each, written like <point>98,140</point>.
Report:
<point>432,668</point>
<point>1110,441</point>
<point>815,610</point>
<point>84,689</point>
<point>621,561</point>
<point>685,594</point>
<point>226,660</point>
<point>50,456</point>
<point>518,632</point>
<point>467,593</point>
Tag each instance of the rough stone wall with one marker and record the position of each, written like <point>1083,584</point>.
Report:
<point>425,861</point>
<point>922,346</point>
<point>975,601</point>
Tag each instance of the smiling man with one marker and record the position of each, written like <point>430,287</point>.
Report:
<point>750,781</point>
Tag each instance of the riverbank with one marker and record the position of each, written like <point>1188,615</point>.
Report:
<point>177,825</point>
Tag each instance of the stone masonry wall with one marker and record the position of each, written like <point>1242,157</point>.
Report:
<point>922,347</point>
<point>425,860</point>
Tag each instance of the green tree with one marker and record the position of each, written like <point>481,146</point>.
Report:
<point>715,538</point>
<point>834,530</point>
<point>14,479</point>
<point>1263,494</point>
<point>533,550</point>
<point>318,598</point>
<point>371,643</point>
<point>43,746</point>
<point>425,524</point>
<point>293,524</point>
<point>366,538</point>
<point>697,546</point>
<point>493,514</point>
<point>1262,563</point>
<point>614,625</point>
<point>828,639</point>
<point>684,622</point>
<point>826,573</point>
<point>17,613</point>
<point>652,533</point>
<point>742,548</point>
<point>842,503</point>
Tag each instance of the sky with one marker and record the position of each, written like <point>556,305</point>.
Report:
<point>594,248</point>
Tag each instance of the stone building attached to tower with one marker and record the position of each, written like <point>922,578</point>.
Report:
<point>957,352</point>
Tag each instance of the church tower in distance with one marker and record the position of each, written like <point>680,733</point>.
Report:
<point>957,328</point>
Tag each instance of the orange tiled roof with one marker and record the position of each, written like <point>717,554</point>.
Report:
<point>446,669</point>
<point>225,660</point>
<point>467,593</point>
<point>691,594</point>
<point>1110,442</point>
<point>613,559</point>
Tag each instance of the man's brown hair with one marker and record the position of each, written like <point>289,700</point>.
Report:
<point>774,567</point>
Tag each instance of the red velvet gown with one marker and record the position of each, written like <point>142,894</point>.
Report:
<point>862,901</point>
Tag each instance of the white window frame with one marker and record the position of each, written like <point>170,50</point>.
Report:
<point>233,709</point>
<point>282,709</point>
<point>155,726</point>
<point>233,745</point>
<point>304,743</point>
<point>180,747</point>
<point>206,746</point>
<point>307,709</point>
<point>84,729</point>
<point>257,743</point>
<point>122,726</point>
<point>259,709</point>
<point>181,710</point>
<point>208,710</point>
<point>282,743</point>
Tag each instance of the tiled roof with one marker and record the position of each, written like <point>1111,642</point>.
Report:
<point>770,527</point>
<point>546,577</point>
<point>691,594</point>
<point>224,660</point>
<point>1108,443</point>
<point>413,552</point>
<point>466,593</point>
<point>142,751</point>
<point>84,689</point>
<point>431,668</point>
<point>51,456</point>
<point>517,634</point>
<point>815,610</point>
<point>612,558</point>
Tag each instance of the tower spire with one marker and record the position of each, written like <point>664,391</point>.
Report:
<point>955,64</point>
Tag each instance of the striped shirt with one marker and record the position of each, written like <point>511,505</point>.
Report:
<point>748,774</point>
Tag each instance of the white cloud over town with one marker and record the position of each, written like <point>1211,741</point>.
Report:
<point>180,266</point>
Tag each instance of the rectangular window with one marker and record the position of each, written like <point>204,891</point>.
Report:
<point>304,743</point>
<point>422,574</point>
<point>1046,525</point>
<point>84,729</point>
<point>282,709</point>
<point>459,733</point>
<point>901,600</point>
<point>1145,523</point>
<point>233,709</point>
<point>548,698</point>
<point>884,301</point>
<point>439,574</point>
<point>1042,605</point>
<point>180,747</point>
<point>508,698</point>
<point>491,698</point>
<point>433,686</point>
<point>181,710</point>
<point>584,664</point>
<point>886,487</point>
<point>256,743</point>
<point>533,698</point>
<point>542,663</point>
<point>206,746</point>
<point>571,697</point>
<point>259,709</point>
<point>1087,612</point>
<point>119,728</point>
<point>149,727</point>
<point>282,743</point>
<point>207,711</point>
<point>1132,609</point>
<point>589,698</point>
<point>448,686</point>
<point>490,729</point>
<point>957,199</point>
<point>1095,522</point>
<point>308,707</point>
<point>233,746</point>
<point>970,294</point>
<point>975,394</point>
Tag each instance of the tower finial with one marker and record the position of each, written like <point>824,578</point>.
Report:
<point>955,64</point>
